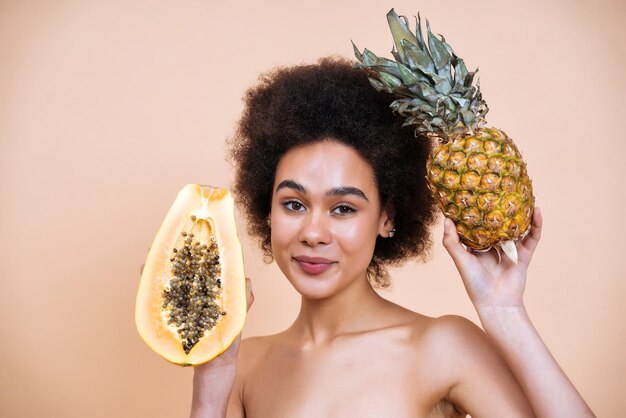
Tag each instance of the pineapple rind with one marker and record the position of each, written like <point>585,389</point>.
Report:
<point>481,183</point>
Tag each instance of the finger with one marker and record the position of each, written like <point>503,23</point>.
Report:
<point>227,357</point>
<point>249,293</point>
<point>532,239</point>
<point>143,265</point>
<point>451,239</point>
<point>451,242</point>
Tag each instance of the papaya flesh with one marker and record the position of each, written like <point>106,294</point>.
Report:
<point>191,301</point>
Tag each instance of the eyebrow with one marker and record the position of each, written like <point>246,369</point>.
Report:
<point>336,191</point>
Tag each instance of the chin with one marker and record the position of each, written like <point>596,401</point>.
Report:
<point>319,287</point>
<point>313,288</point>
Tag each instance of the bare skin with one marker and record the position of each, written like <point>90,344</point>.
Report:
<point>350,352</point>
<point>395,370</point>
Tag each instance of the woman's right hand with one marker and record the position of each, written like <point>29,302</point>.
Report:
<point>213,381</point>
<point>230,355</point>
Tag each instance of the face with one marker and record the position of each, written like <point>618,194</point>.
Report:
<point>325,218</point>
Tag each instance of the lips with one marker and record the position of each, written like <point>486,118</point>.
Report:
<point>313,265</point>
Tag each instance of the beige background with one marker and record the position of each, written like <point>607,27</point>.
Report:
<point>107,108</point>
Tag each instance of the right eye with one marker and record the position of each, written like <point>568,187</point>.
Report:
<point>293,205</point>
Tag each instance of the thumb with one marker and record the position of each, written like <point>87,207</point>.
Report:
<point>249,293</point>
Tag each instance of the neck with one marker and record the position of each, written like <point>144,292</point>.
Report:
<point>354,309</point>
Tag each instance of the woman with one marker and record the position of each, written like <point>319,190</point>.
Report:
<point>334,189</point>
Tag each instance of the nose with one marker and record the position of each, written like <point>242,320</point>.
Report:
<point>314,230</point>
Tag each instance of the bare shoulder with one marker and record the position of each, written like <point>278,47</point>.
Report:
<point>253,348</point>
<point>253,344</point>
<point>441,346</point>
<point>454,332</point>
<point>461,348</point>
<point>250,351</point>
<point>443,332</point>
<point>480,380</point>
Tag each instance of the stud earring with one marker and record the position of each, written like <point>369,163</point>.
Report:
<point>392,233</point>
<point>269,222</point>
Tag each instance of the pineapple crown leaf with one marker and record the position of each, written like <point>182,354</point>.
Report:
<point>400,29</point>
<point>434,89</point>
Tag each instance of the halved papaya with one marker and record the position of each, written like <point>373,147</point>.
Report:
<point>191,302</point>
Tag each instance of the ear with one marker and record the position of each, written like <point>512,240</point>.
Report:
<point>386,221</point>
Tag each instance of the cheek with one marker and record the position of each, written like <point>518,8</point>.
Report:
<point>282,233</point>
<point>357,240</point>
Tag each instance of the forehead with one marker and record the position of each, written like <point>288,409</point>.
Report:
<point>322,165</point>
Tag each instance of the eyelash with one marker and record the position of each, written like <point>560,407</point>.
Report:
<point>286,204</point>
<point>351,209</point>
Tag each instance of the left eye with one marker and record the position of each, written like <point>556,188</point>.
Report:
<point>344,209</point>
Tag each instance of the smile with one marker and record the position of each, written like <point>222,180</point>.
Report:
<point>313,265</point>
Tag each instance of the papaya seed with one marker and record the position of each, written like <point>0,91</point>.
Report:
<point>190,304</point>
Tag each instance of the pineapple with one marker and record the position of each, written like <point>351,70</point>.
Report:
<point>475,173</point>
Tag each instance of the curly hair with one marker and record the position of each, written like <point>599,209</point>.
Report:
<point>297,105</point>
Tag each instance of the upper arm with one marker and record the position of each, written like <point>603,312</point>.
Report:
<point>483,385</point>
<point>235,405</point>
<point>248,352</point>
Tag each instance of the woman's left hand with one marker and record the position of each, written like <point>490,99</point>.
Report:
<point>491,283</point>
